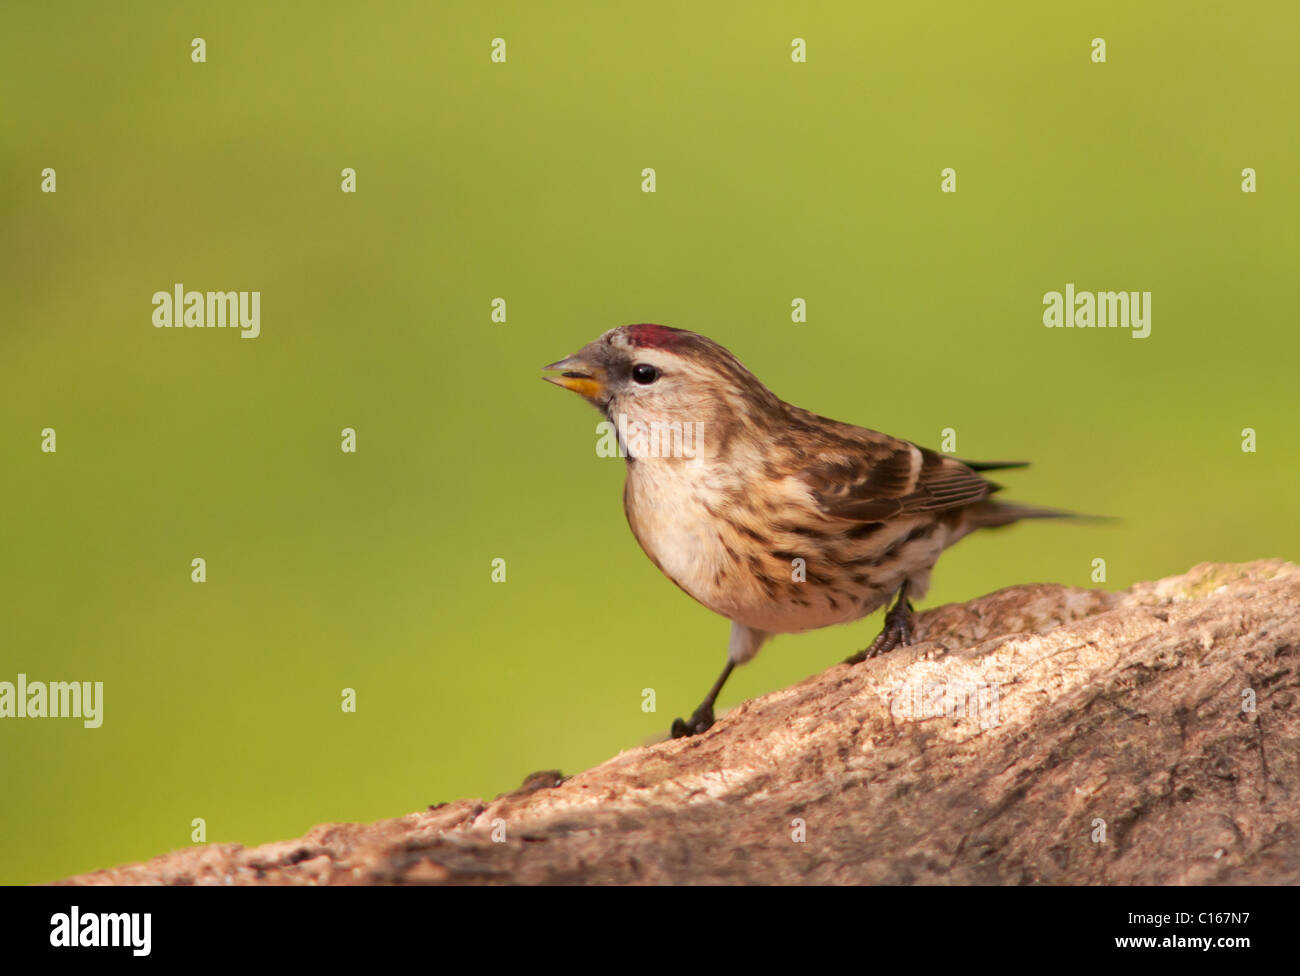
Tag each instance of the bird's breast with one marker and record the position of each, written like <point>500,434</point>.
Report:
<point>720,543</point>
<point>671,512</point>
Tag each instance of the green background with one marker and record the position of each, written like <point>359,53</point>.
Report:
<point>523,180</point>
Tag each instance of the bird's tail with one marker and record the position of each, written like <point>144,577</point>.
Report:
<point>993,465</point>
<point>990,514</point>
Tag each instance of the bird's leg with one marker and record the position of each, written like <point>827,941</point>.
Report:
<point>896,632</point>
<point>703,717</point>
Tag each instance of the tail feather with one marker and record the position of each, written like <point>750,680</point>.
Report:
<point>989,514</point>
<point>993,465</point>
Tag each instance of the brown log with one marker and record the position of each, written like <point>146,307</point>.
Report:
<point>1041,734</point>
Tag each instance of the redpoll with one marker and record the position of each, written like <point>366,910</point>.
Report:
<point>778,519</point>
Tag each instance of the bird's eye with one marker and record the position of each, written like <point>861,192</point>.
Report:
<point>644,373</point>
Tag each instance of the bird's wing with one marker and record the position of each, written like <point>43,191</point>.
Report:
<point>866,476</point>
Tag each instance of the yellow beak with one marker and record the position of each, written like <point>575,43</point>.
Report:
<point>586,381</point>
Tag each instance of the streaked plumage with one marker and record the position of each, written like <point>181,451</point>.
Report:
<point>768,484</point>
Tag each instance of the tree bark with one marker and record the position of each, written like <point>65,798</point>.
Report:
<point>1041,734</point>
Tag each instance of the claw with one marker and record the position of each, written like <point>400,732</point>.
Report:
<point>701,721</point>
<point>897,632</point>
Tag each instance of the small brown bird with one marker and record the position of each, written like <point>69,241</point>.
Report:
<point>778,519</point>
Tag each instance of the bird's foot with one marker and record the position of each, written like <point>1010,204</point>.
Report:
<point>897,632</point>
<point>699,722</point>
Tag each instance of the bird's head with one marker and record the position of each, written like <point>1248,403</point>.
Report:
<point>651,374</point>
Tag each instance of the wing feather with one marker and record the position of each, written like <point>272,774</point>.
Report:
<point>865,476</point>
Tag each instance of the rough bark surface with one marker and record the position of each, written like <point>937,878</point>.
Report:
<point>1041,734</point>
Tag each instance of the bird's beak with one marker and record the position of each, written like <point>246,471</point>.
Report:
<point>579,376</point>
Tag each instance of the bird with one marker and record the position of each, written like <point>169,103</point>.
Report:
<point>776,518</point>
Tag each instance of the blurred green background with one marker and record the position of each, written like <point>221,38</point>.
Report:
<point>522,180</point>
